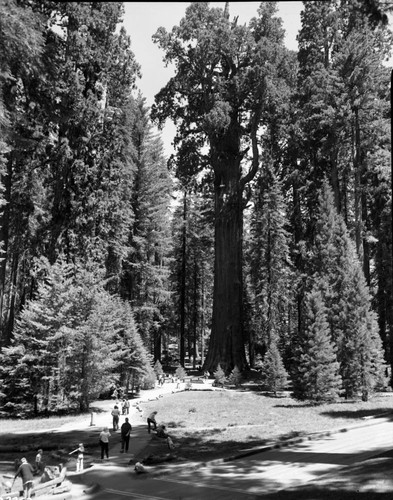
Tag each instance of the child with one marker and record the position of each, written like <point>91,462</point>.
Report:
<point>79,460</point>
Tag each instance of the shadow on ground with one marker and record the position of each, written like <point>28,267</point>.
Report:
<point>368,480</point>
<point>370,412</point>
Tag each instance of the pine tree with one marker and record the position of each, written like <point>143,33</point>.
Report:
<point>274,375</point>
<point>145,270</point>
<point>219,376</point>
<point>158,368</point>
<point>191,273</point>
<point>316,376</point>
<point>180,372</point>
<point>235,377</point>
<point>340,279</point>
<point>269,267</point>
<point>70,343</point>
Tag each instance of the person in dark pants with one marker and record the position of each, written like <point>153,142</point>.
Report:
<point>125,430</point>
<point>151,420</point>
<point>104,443</point>
<point>25,471</point>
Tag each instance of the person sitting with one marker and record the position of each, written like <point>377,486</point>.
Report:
<point>161,431</point>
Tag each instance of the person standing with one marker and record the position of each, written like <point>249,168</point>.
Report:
<point>25,471</point>
<point>123,407</point>
<point>126,429</point>
<point>79,460</point>
<point>104,442</point>
<point>127,406</point>
<point>151,420</point>
<point>39,465</point>
<point>116,416</point>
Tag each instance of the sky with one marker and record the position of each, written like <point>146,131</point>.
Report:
<point>142,19</point>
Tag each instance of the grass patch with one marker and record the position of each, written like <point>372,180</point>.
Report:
<point>38,424</point>
<point>226,422</point>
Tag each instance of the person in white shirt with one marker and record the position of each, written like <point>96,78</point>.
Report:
<point>104,442</point>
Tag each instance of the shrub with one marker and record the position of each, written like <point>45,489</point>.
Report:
<point>180,372</point>
<point>274,375</point>
<point>235,378</point>
<point>219,376</point>
<point>148,380</point>
<point>158,368</point>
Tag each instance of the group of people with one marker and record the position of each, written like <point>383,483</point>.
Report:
<point>125,432</point>
<point>161,431</point>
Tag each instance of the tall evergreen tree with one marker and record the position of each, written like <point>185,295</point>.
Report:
<point>68,169</point>
<point>69,344</point>
<point>346,296</point>
<point>269,268</point>
<point>316,372</point>
<point>145,267</point>
<point>191,273</point>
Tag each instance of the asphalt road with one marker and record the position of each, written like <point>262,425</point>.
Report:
<point>311,461</point>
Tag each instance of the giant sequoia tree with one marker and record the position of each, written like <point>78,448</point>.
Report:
<point>226,76</point>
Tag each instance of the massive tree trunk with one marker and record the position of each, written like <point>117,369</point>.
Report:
<point>226,345</point>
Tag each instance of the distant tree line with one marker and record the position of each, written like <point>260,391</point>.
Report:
<point>277,254</point>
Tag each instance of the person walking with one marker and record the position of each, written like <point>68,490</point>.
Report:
<point>79,460</point>
<point>115,418</point>
<point>104,442</point>
<point>127,406</point>
<point>151,420</point>
<point>25,471</point>
<point>125,430</point>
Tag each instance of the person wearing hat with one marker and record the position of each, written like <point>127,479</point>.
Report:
<point>79,460</point>
<point>25,471</point>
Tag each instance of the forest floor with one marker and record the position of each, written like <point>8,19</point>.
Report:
<point>205,424</point>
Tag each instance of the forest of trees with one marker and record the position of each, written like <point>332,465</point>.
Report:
<point>264,242</point>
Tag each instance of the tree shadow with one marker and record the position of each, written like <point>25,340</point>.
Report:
<point>360,481</point>
<point>359,414</point>
<point>370,479</point>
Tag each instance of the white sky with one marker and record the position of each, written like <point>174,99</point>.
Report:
<point>142,19</point>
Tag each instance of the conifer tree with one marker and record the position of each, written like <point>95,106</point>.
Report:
<point>144,279</point>
<point>158,368</point>
<point>66,349</point>
<point>316,376</point>
<point>180,372</point>
<point>219,376</point>
<point>339,277</point>
<point>235,377</point>
<point>268,264</point>
<point>273,374</point>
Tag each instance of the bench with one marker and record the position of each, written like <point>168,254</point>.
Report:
<point>197,381</point>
